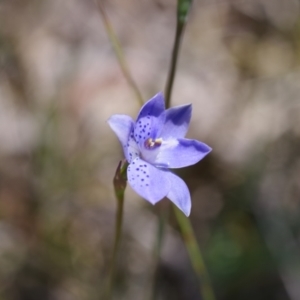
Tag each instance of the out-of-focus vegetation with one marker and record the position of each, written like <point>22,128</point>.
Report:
<point>60,81</point>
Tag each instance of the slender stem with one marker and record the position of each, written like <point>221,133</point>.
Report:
<point>118,231</point>
<point>171,75</point>
<point>165,212</point>
<point>184,223</point>
<point>119,52</point>
<point>119,186</point>
<point>162,221</point>
<point>195,255</point>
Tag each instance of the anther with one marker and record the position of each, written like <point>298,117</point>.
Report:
<point>150,143</point>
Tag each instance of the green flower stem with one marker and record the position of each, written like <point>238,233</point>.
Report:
<point>119,183</point>
<point>164,213</point>
<point>195,255</point>
<point>171,75</point>
<point>119,52</point>
<point>163,218</point>
<point>183,7</point>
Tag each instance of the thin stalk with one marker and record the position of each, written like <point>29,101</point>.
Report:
<point>163,218</point>
<point>119,186</point>
<point>118,231</point>
<point>184,223</point>
<point>195,255</point>
<point>165,212</point>
<point>119,52</point>
<point>172,71</point>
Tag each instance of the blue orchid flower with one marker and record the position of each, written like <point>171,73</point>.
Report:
<point>155,143</point>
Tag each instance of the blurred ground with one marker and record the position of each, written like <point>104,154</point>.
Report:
<point>59,83</point>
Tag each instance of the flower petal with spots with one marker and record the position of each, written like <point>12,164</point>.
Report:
<point>148,181</point>
<point>154,143</point>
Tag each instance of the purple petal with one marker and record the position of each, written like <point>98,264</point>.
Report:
<point>150,120</point>
<point>181,153</point>
<point>132,148</point>
<point>177,122</point>
<point>148,127</point>
<point>122,125</point>
<point>153,107</point>
<point>148,181</point>
<point>179,193</point>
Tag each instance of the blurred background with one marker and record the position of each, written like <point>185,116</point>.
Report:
<point>60,82</point>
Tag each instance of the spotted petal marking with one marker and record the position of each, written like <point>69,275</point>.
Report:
<point>148,181</point>
<point>143,129</point>
<point>133,150</point>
